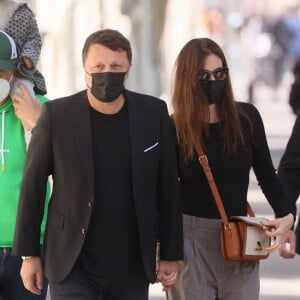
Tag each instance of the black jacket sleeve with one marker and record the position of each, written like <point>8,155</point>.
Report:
<point>289,166</point>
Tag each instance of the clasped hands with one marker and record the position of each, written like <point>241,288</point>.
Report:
<point>167,273</point>
<point>280,230</point>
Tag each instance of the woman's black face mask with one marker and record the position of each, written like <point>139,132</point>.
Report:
<point>214,90</point>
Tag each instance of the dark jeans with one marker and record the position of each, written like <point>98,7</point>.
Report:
<point>79,285</point>
<point>11,285</point>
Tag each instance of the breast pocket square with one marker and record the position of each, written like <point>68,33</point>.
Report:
<point>151,147</point>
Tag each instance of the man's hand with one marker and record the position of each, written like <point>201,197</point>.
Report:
<point>288,238</point>
<point>27,109</point>
<point>32,274</point>
<point>167,273</point>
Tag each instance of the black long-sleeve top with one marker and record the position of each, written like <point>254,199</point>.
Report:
<point>231,172</point>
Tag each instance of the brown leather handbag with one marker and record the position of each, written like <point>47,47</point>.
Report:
<point>242,237</point>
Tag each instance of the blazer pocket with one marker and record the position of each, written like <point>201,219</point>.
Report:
<point>151,147</point>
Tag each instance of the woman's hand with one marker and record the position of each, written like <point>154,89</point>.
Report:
<point>276,228</point>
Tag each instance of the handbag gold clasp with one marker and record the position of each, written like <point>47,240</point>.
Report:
<point>227,226</point>
<point>258,246</point>
<point>203,159</point>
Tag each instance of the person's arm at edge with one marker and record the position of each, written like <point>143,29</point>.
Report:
<point>289,175</point>
<point>31,204</point>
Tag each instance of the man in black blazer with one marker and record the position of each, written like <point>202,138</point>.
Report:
<point>112,158</point>
<point>289,175</point>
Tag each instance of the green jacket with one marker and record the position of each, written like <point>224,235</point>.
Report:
<point>12,154</point>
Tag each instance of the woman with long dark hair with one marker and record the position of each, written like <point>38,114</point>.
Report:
<point>232,136</point>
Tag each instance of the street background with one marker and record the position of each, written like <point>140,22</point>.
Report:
<point>261,40</point>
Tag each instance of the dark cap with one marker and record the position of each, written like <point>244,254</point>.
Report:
<point>8,52</point>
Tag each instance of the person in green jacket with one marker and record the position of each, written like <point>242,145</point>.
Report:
<point>17,114</point>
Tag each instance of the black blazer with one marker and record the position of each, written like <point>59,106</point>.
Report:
<point>289,171</point>
<point>61,146</point>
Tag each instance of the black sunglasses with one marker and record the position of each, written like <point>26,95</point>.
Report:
<point>218,74</point>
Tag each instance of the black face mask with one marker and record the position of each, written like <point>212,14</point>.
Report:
<point>214,90</point>
<point>107,86</point>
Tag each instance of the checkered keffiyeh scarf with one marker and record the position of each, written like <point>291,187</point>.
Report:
<point>22,26</point>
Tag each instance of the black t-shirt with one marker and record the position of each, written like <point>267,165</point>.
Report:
<point>231,172</point>
<point>112,244</point>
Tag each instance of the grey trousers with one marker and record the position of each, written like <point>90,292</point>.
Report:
<point>204,274</point>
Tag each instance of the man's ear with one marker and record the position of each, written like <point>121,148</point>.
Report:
<point>127,74</point>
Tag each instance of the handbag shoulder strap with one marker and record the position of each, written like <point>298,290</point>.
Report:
<point>212,184</point>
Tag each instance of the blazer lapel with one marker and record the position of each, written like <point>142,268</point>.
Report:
<point>136,132</point>
<point>80,119</point>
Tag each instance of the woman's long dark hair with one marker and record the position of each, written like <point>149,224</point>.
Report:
<point>191,109</point>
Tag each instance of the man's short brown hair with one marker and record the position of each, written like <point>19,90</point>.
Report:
<point>109,38</point>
